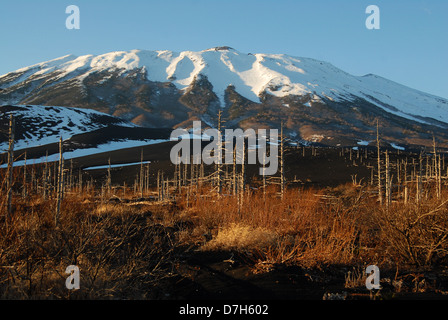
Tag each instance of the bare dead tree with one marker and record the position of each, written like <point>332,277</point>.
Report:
<point>234,175</point>
<point>242,177</point>
<point>439,178</point>
<point>436,170</point>
<point>419,179</point>
<point>141,174</point>
<point>158,186</point>
<point>185,174</point>
<point>109,178</point>
<point>45,177</point>
<point>24,190</point>
<point>147,180</point>
<point>219,169</point>
<point>192,167</point>
<point>264,177</point>
<point>380,192</point>
<point>70,180</point>
<point>34,184</point>
<point>388,181</point>
<point>10,164</point>
<point>80,181</point>
<point>282,162</point>
<point>60,184</point>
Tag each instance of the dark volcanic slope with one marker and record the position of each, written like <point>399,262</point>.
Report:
<point>325,168</point>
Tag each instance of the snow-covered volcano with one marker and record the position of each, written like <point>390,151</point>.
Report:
<point>166,88</point>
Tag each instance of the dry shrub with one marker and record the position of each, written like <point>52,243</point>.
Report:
<point>241,237</point>
<point>120,253</point>
<point>415,233</point>
<point>355,278</point>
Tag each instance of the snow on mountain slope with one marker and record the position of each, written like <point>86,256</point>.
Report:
<point>251,75</point>
<point>40,125</point>
<point>101,148</point>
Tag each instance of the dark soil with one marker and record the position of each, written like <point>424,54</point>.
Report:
<point>225,275</point>
<point>229,276</point>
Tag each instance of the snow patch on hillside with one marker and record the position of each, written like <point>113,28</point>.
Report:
<point>48,123</point>
<point>107,147</point>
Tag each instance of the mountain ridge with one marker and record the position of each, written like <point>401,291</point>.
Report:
<point>170,89</point>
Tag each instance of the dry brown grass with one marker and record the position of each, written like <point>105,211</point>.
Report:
<point>125,250</point>
<point>303,228</point>
<point>343,225</point>
<point>241,237</point>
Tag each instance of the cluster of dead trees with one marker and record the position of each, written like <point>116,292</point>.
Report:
<point>402,175</point>
<point>228,178</point>
<point>427,170</point>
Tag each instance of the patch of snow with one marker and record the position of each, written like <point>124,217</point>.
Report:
<point>393,145</point>
<point>116,165</point>
<point>107,147</point>
<point>363,143</point>
<point>68,122</point>
<point>315,138</point>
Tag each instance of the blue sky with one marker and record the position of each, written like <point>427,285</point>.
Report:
<point>410,48</point>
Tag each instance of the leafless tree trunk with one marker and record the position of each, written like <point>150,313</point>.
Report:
<point>406,171</point>
<point>436,169</point>
<point>60,184</point>
<point>109,178</point>
<point>440,177</point>
<point>220,153</point>
<point>185,174</point>
<point>380,192</point>
<point>388,181</point>
<point>405,194</point>
<point>419,179</point>
<point>45,177</point>
<point>192,169</point>
<point>242,176</point>
<point>24,190</point>
<point>159,194</point>
<point>10,164</point>
<point>201,173</point>
<point>34,184</point>
<point>234,178</point>
<point>71,175</point>
<point>80,181</point>
<point>141,175</point>
<point>147,178</point>
<point>282,166</point>
<point>167,188</point>
<point>264,178</point>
